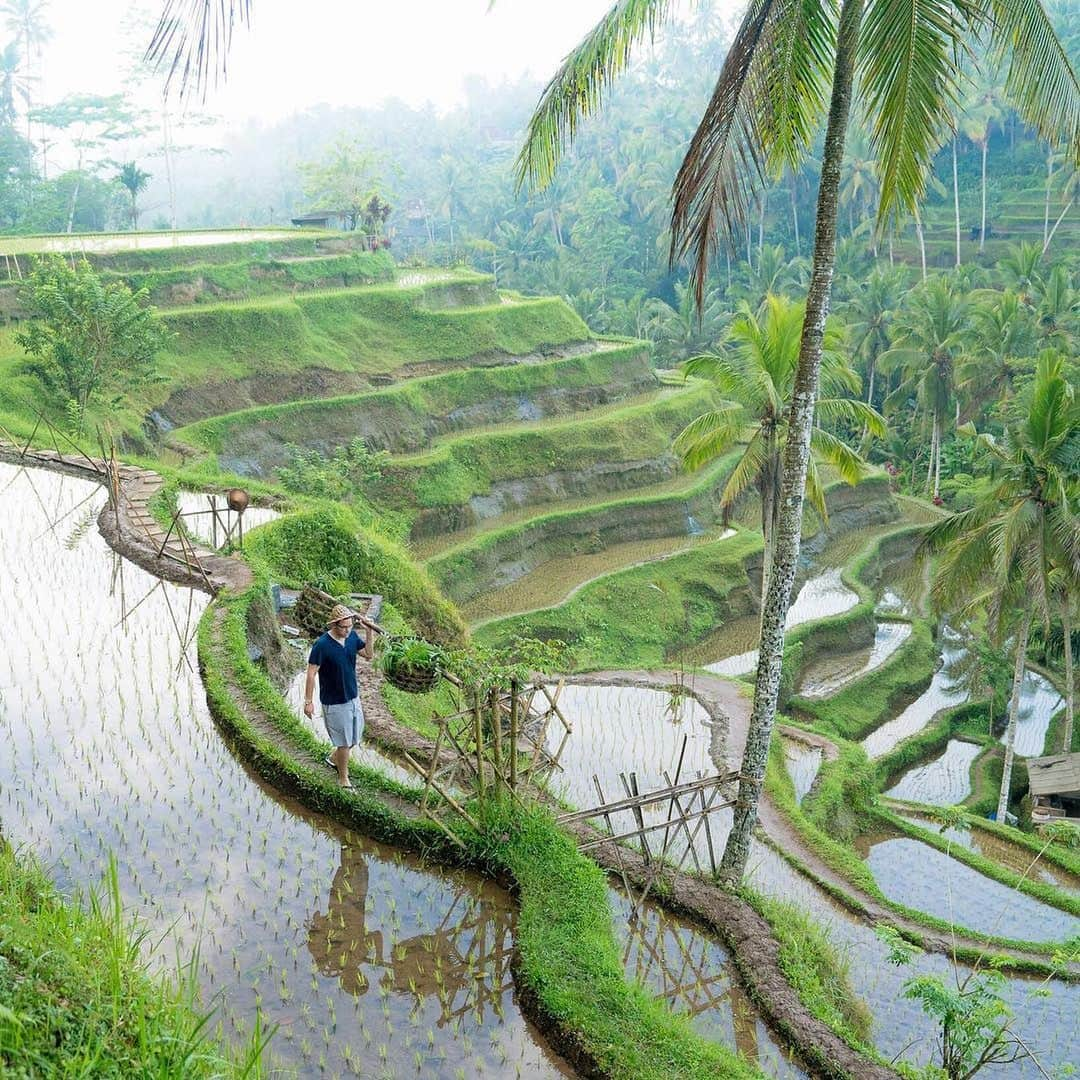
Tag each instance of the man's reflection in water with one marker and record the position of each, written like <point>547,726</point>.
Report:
<point>339,941</point>
<point>464,962</point>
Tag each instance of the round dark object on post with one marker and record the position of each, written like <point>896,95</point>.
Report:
<point>238,499</point>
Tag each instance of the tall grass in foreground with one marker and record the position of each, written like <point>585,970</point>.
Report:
<point>77,997</point>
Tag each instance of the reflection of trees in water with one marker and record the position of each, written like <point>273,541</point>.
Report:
<point>464,962</point>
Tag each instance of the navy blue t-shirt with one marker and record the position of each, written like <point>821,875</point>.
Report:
<point>337,667</point>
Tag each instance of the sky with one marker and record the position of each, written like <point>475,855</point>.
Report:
<point>344,52</point>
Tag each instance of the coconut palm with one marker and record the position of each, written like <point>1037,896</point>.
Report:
<point>1003,335</point>
<point>930,336</point>
<point>771,98</point>
<point>754,372</point>
<point>870,313</point>
<point>999,554</point>
<point>134,180</point>
<point>982,114</point>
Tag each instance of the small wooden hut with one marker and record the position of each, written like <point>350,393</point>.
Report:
<point>1055,788</point>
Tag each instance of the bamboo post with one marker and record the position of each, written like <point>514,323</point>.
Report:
<point>496,737</point>
<point>213,521</point>
<point>478,738</point>
<point>708,834</point>
<point>513,733</point>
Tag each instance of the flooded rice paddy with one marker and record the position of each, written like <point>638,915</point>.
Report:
<point>942,693</point>
<point>224,527</point>
<point>693,974</point>
<point>612,733</point>
<point>832,671</point>
<point>944,781</point>
<point>821,596</point>
<point>369,962</point>
<point>106,242</point>
<point>921,877</point>
<point>1008,854</point>
<point>803,764</point>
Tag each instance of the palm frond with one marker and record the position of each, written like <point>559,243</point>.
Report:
<point>856,412</point>
<point>577,89</point>
<point>815,491</point>
<point>747,469</point>
<point>758,112</point>
<point>837,453</point>
<point>193,38</point>
<point>711,434</point>
<point>909,74</point>
<point>1040,82</point>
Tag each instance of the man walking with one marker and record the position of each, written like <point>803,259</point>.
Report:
<point>333,659</point>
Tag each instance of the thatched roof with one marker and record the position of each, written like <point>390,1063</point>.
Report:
<point>1058,774</point>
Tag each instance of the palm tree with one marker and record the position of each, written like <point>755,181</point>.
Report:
<point>1065,588</point>
<point>1003,334</point>
<point>982,113</point>
<point>930,336</point>
<point>134,180</point>
<point>870,313</point>
<point>770,100</point>
<point>1000,553</point>
<point>755,373</point>
<point>14,84</point>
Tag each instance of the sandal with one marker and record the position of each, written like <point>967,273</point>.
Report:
<point>329,761</point>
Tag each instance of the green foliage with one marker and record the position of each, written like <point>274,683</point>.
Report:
<point>337,477</point>
<point>411,655</point>
<point>88,337</point>
<point>330,546</point>
<point>819,972</point>
<point>77,996</point>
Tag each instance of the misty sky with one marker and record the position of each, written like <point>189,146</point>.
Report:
<point>345,52</point>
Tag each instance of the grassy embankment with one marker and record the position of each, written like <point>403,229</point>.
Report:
<point>404,417</point>
<point>77,997</point>
<point>359,332</point>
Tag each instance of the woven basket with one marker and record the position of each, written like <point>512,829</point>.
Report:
<point>413,680</point>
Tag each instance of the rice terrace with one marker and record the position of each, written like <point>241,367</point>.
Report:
<point>568,578</point>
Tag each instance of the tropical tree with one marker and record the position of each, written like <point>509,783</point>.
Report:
<point>869,315</point>
<point>982,113</point>
<point>930,336</point>
<point>134,180</point>
<point>1003,336</point>
<point>771,97</point>
<point>754,374</point>
<point>999,554</point>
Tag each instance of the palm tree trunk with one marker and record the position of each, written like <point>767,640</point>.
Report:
<point>933,446</point>
<point>1066,626</point>
<point>1049,181</point>
<point>795,219</point>
<point>982,230</point>
<point>937,457</point>
<point>761,226</point>
<point>922,240</point>
<point>1014,712</point>
<point>1056,224</point>
<point>956,200</point>
<point>796,456</point>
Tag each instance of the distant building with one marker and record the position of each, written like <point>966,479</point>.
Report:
<point>324,219</point>
<point>1055,787</point>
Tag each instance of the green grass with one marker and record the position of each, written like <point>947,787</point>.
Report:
<point>330,547</point>
<point>637,618</point>
<point>77,997</point>
<point>819,972</point>
<point>469,465</point>
<point>403,416</point>
<point>467,570</point>
<point>373,330</point>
